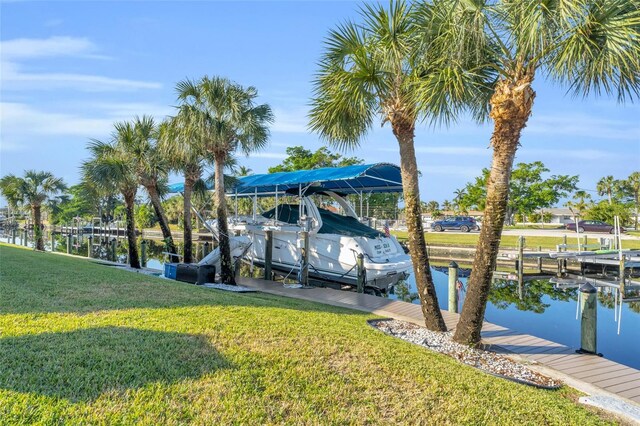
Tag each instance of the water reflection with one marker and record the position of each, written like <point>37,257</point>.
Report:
<point>530,297</point>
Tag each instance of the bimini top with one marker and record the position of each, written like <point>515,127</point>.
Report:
<point>380,177</point>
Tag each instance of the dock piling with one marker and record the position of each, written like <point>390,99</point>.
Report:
<point>453,291</point>
<point>588,321</point>
<point>521,242</point>
<point>90,246</point>
<point>362,273</point>
<point>69,242</point>
<point>304,267</point>
<point>268,254</point>
<point>143,253</point>
<point>112,256</point>
<point>13,235</point>
<point>53,241</point>
<point>539,260</point>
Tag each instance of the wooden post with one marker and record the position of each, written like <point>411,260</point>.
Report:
<point>13,235</point>
<point>564,241</point>
<point>69,241</point>
<point>540,260</point>
<point>53,241</point>
<point>588,322</point>
<point>90,246</point>
<point>304,268</point>
<point>143,253</point>
<point>362,273</point>
<point>520,259</point>
<point>114,241</point>
<point>26,237</point>
<point>621,271</point>
<point>205,249</point>
<point>453,290</point>
<point>268,254</point>
<point>586,240</point>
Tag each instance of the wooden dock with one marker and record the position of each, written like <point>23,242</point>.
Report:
<point>591,374</point>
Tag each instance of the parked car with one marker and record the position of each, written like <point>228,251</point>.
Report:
<point>591,226</point>
<point>462,223</point>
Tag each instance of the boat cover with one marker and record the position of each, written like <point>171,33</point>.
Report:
<point>360,178</point>
<point>332,223</point>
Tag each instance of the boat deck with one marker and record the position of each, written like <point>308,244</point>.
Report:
<point>597,372</point>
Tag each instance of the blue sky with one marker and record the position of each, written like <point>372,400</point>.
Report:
<point>70,69</point>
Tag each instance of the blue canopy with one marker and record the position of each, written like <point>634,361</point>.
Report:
<point>380,177</point>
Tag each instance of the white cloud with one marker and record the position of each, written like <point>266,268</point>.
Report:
<point>27,48</point>
<point>272,155</point>
<point>294,121</point>
<point>15,51</point>
<point>584,126</point>
<point>569,154</point>
<point>452,170</point>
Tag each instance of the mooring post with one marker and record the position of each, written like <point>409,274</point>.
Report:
<point>69,241</point>
<point>540,259</point>
<point>53,241</point>
<point>205,249</point>
<point>520,261</point>
<point>564,241</point>
<point>588,322</point>
<point>304,272</point>
<point>143,253</point>
<point>621,275</point>
<point>268,254</point>
<point>361,273</point>
<point>13,235</point>
<point>586,240</point>
<point>114,241</point>
<point>90,246</point>
<point>453,291</point>
<point>26,237</point>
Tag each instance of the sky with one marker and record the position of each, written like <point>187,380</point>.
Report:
<point>69,70</point>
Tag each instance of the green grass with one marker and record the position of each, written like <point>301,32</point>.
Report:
<point>508,241</point>
<point>86,343</point>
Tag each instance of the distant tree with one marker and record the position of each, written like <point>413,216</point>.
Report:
<point>447,205</point>
<point>145,216</point>
<point>79,201</point>
<point>111,167</point>
<point>631,188</point>
<point>299,158</point>
<point>607,186</point>
<point>529,191</point>
<point>606,212</point>
<point>580,203</point>
<point>432,206</point>
<point>31,192</point>
<point>458,200</point>
<point>173,208</point>
<point>222,117</point>
<point>243,171</point>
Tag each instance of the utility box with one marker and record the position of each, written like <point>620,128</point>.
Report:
<point>187,273</point>
<point>206,274</point>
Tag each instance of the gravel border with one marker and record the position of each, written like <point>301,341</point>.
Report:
<point>490,362</point>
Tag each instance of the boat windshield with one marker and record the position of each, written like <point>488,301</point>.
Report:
<point>332,223</point>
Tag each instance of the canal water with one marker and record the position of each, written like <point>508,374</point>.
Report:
<point>550,313</point>
<point>542,311</point>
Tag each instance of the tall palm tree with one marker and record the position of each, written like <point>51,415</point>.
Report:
<point>580,202</point>
<point>151,168</point>
<point>111,167</point>
<point>32,191</point>
<point>223,117</point>
<point>632,184</point>
<point>432,206</point>
<point>459,195</point>
<point>243,171</point>
<point>588,45</point>
<point>185,154</point>
<point>607,186</point>
<point>447,205</point>
<point>374,69</point>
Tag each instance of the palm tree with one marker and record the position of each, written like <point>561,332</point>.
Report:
<point>243,171</point>
<point>580,203</point>
<point>432,206</point>
<point>222,117</point>
<point>607,186</point>
<point>111,167</point>
<point>447,205</point>
<point>459,195</point>
<point>374,69</point>
<point>589,45</point>
<point>632,185</point>
<point>186,155</point>
<point>32,191</point>
<point>151,168</point>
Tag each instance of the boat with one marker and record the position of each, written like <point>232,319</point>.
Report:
<point>335,239</point>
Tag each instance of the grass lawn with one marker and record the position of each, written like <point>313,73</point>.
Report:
<point>85,343</point>
<point>508,241</point>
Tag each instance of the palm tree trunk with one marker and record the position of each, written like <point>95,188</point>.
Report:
<point>162,219</point>
<point>37,227</point>
<point>186,221</point>
<point>510,109</point>
<point>404,132</point>
<point>134,260</point>
<point>226,263</point>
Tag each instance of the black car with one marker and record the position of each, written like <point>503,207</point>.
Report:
<point>462,223</point>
